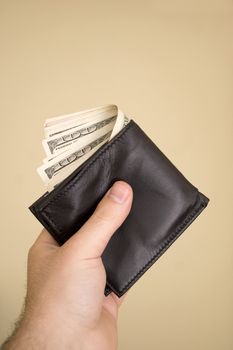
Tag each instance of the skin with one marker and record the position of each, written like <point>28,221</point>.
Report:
<point>65,305</point>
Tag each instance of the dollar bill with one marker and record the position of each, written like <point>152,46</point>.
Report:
<point>74,153</point>
<point>65,139</point>
<point>73,138</point>
<point>79,115</point>
<point>71,121</point>
<point>120,123</point>
<point>75,161</point>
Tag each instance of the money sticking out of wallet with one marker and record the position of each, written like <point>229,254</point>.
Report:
<point>71,139</point>
<point>86,153</point>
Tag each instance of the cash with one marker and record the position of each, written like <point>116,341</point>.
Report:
<point>73,138</point>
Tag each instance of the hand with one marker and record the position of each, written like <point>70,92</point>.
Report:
<point>65,305</point>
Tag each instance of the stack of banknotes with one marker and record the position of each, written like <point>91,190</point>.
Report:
<point>71,139</point>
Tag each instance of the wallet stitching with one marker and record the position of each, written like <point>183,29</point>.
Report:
<point>54,234</point>
<point>160,249</point>
<point>79,175</point>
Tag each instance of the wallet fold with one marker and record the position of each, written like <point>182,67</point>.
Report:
<point>164,204</point>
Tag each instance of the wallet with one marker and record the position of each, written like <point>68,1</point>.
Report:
<point>164,204</point>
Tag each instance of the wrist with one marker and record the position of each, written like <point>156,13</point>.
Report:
<point>44,331</point>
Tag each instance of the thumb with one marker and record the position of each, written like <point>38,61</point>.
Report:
<point>91,240</point>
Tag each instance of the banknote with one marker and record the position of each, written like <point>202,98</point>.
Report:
<point>70,121</point>
<point>49,122</point>
<point>61,141</point>
<point>120,123</point>
<point>85,144</point>
<point>73,138</point>
<point>52,174</point>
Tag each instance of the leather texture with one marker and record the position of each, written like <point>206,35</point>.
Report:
<point>165,203</point>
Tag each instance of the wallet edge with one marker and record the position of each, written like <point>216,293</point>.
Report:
<point>200,204</point>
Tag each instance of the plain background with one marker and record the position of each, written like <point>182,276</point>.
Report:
<point>168,65</point>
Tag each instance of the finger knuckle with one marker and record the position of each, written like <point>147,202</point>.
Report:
<point>100,217</point>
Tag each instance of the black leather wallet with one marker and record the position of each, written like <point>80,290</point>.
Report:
<point>165,203</point>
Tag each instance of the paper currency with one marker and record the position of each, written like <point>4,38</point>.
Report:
<point>70,121</point>
<point>73,138</point>
<point>64,139</point>
<point>81,148</point>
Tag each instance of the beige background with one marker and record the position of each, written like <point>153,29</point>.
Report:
<point>168,65</point>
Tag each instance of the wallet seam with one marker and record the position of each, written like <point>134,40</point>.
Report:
<point>161,249</point>
<point>54,234</point>
<point>80,174</point>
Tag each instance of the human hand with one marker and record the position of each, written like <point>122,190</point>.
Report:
<point>65,306</point>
